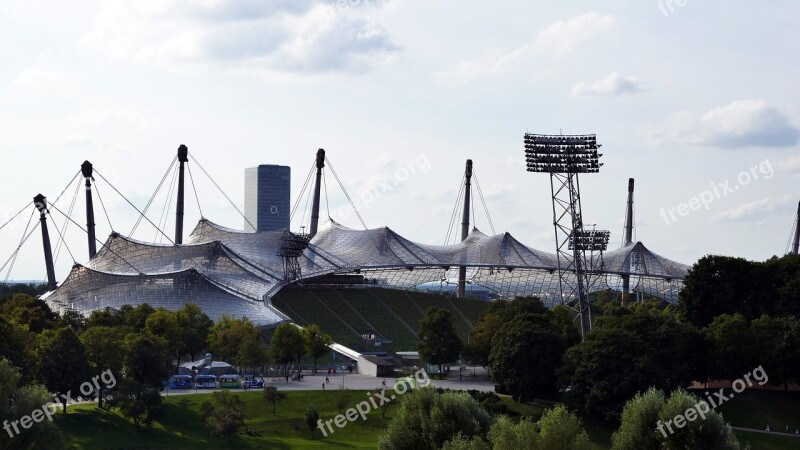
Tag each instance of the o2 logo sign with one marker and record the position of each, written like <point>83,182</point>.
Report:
<point>273,210</point>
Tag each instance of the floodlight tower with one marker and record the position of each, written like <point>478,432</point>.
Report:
<point>564,157</point>
<point>291,251</point>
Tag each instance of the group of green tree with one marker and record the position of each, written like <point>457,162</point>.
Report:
<point>429,418</point>
<point>733,316</point>
<point>51,355</point>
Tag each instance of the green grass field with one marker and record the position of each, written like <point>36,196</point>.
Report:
<point>90,428</point>
<point>87,427</point>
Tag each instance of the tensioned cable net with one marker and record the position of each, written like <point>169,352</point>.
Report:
<point>228,271</point>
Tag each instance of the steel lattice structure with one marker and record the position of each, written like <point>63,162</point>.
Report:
<point>563,158</point>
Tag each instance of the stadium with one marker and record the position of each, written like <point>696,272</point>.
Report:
<point>239,273</point>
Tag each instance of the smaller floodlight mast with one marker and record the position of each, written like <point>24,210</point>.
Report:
<point>564,157</point>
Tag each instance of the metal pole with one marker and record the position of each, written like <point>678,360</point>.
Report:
<point>317,187</point>
<point>86,170</point>
<point>796,242</point>
<point>183,158</point>
<point>462,271</point>
<point>626,279</point>
<point>40,201</point>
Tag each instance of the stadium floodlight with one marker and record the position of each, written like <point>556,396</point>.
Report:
<point>564,157</point>
<point>590,240</point>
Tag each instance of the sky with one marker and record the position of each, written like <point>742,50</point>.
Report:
<point>698,101</point>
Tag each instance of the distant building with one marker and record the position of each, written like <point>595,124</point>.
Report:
<point>267,190</point>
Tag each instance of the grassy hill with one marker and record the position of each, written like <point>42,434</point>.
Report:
<point>88,428</point>
<point>347,313</point>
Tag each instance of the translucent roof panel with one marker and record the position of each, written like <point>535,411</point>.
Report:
<point>86,290</point>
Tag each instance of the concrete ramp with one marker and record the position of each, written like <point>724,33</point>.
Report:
<point>345,351</point>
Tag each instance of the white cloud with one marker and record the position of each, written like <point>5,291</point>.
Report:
<point>610,86</point>
<point>46,75</point>
<point>757,210</point>
<point>742,123</point>
<point>791,165</point>
<point>555,41</point>
<point>307,37</point>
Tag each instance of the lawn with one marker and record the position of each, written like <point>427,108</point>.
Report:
<point>87,427</point>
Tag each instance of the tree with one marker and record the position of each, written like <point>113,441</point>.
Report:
<point>627,355</point>
<point>316,342</point>
<point>30,312</point>
<point>165,324</point>
<point>136,401</point>
<point>223,413</point>
<point>62,364</point>
<point>311,418</point>
<point>136,318</point>
<point>731,347</point>
<point>195,326</point>
<point>438,342</point>
<point>252,352</point>
<point>287,344</point>
<point>41,435</point>
<point>645,418</point>
<point>480,339</point>
<point>273,395</point>
<point>526,353</point>
<point>777,344</point>
<point>146,360</point>
<point>74,320</point>
<point>106,317</point>
<point>18,345</point>
<point>718,285</point>
<point>557,429</point>
<point>228,334</point>
<point>428,419</point>
<point>104,351</point>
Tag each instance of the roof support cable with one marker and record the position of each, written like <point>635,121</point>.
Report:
<point>451,224</point>
<point>152,197</point>
<point>302,191</point>
<point>61,242</point>
<point>131,204</point>
<point>102,245</point>
<point>483,200</point>
<point>103,205</point>
<point>61,235</point>
<point>16,215</point>
<point>328,162</point>
<point>25,235</point>
<point>162,221</point>
<point>194,188</point>
<point>223,193</point>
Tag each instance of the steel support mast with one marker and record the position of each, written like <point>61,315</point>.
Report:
<point>40,201</point>
<point>462,271</point>
<point>317,188</point>
<point>86,170</point>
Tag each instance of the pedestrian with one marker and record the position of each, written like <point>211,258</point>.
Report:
<point>787,428</point>
<point>323,386</point>
<point>767,427</point>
